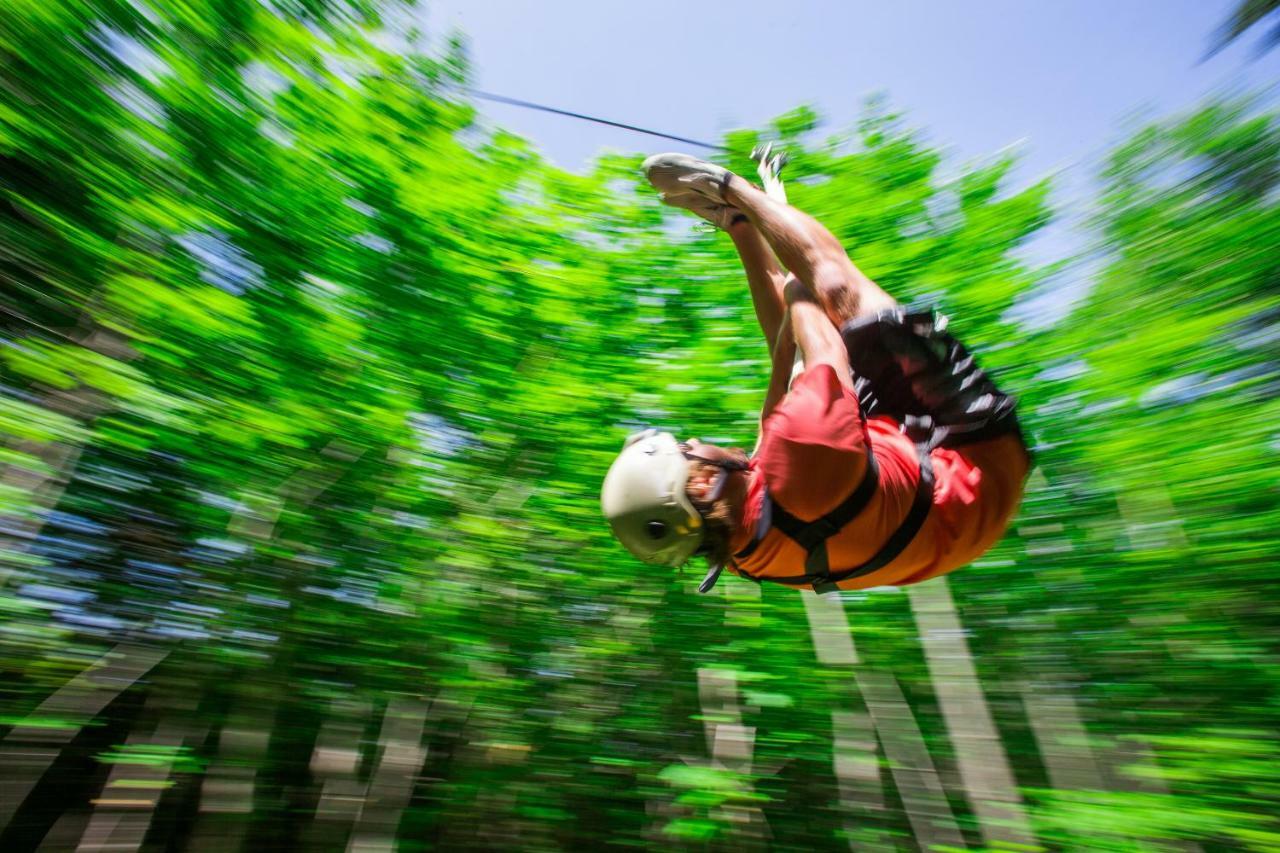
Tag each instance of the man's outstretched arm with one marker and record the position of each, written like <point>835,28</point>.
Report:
<point>765,277</point>
<point>784,358</point>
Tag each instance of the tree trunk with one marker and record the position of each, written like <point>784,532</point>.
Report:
<point>731,745</point>
<point>227,790</point>
<point>401,756</point>
<point>335,765</point>
<point>124,811</point>
<point>34,743</point>
<point>856,763</point>
<point>988,779</point>
<point>728,741</point>
<point>1061,736</point>
<point>909,762</point>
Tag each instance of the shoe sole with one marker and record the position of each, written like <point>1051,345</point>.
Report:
<point>680,174</point>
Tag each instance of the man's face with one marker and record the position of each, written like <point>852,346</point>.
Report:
<point>702,477</point>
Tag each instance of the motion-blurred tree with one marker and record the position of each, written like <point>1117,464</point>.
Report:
<point>1247,15</point>
<point>310,379</point>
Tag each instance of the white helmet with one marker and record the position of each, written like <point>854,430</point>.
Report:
<point>644,500</point>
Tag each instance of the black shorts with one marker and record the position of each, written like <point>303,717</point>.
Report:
<point>907,366</point>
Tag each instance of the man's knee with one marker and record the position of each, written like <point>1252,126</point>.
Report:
<point>836,287</point>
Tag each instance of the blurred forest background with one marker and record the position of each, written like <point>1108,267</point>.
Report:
<point>309,384</point>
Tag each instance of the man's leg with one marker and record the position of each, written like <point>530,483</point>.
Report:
<point>811,252</point>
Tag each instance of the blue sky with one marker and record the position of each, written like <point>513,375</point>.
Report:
<point>1056,78</point>
<point>1059,81</point>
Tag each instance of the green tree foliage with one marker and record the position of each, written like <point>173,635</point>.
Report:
<point>1246,15</point>
<point>1166,427</point>
<point>310,380</point>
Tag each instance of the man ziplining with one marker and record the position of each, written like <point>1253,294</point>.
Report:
<point>890,459</point>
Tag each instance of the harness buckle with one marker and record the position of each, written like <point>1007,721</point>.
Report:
<point>918,428</point>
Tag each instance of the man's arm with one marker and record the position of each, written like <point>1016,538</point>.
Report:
<point>765,277</point>
<point>805,322</point>
<point>784,357</point>
<point>814,334</point>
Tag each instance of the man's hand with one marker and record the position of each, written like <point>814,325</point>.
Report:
<point>769,165</point>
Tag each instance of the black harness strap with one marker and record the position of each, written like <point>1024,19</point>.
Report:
<point>901,537</point>
<point>813,535</point>
<point>764,523</point>
<point>808,533</point>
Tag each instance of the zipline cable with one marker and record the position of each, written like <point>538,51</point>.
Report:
<point>516,102</point>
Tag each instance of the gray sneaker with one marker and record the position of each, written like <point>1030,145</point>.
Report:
<point>719,215</point>
<point>679,174</point>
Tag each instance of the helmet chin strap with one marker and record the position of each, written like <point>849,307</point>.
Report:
<point>713,575</point>
<point>717,487</point>
<point>722,478</point>
<point>726,466</point>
